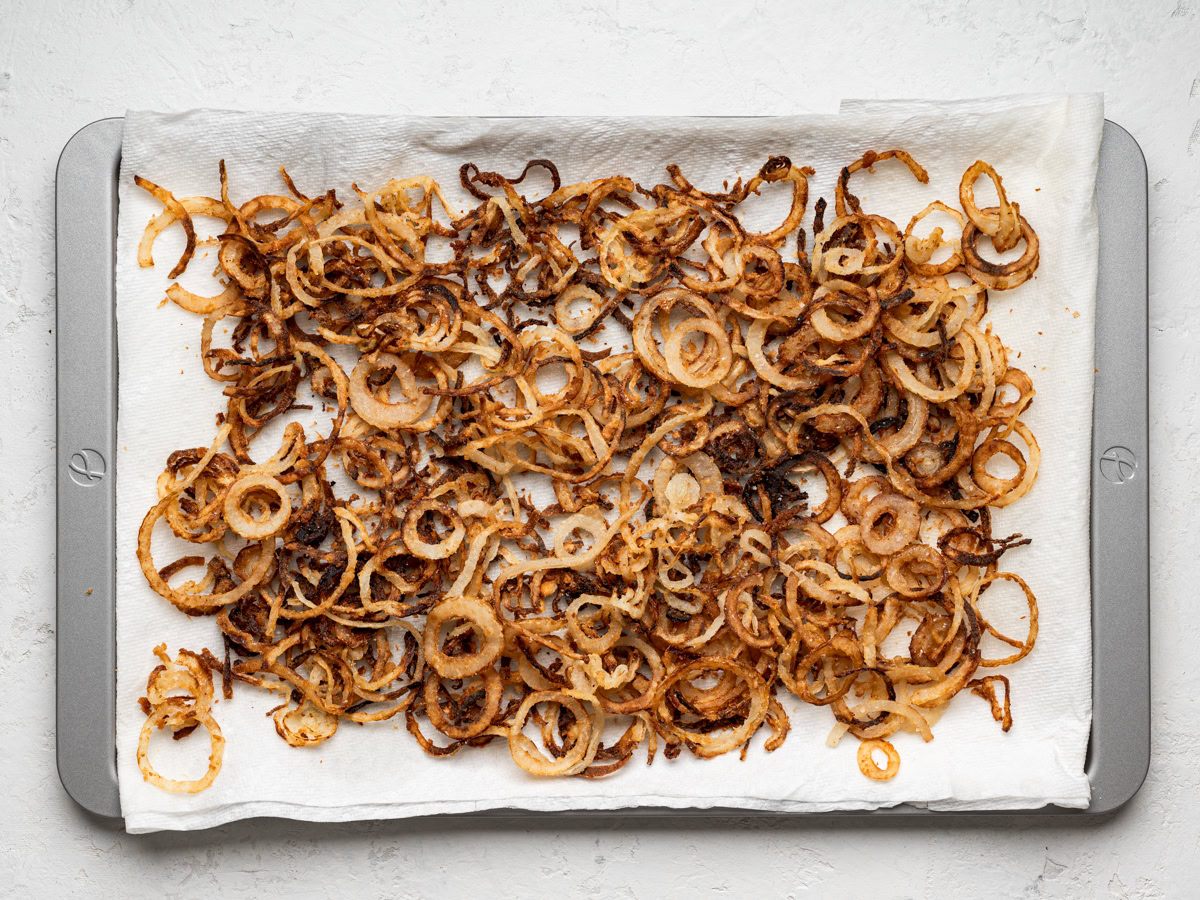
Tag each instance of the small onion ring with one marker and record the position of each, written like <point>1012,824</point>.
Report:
<point>526,755</point>
<point>707,745</point>
<point>491,705</point>
<point>481,619</point>
<point>423,549</point>
<point>867,764</point>
<point>242,523</point>
<point>178,713</point>
<point>906,521</point>
<point>1001,276</point>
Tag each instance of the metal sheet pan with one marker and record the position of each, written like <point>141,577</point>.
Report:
<point>1119,748</point>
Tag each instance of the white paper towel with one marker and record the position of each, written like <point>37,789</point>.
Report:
<point>1046,149</point>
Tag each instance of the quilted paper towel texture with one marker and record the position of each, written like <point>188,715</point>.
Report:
<point>1046,149</point>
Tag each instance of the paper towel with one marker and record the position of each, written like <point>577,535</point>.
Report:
<point>1045,148</point>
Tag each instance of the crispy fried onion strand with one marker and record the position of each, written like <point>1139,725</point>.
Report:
<point>179,695</point>
<point>780,490</point>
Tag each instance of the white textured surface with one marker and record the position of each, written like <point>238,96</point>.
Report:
<point>62,66</point>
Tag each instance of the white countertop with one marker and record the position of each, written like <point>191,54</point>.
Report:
<point>63,65</point>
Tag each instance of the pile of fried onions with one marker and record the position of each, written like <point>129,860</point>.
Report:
<point>782,482</point>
